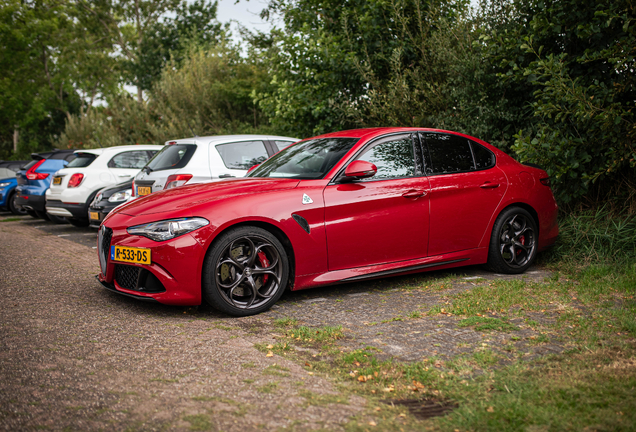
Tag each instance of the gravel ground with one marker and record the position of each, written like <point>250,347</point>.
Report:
<point>76,357</point>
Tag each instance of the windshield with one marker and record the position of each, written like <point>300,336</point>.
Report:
<point>306,160</point>
<point>172,156</point>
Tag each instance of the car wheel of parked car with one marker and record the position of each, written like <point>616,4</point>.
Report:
<point>513,244</point>
<point>33,214</point>
<point>13,208</point>
<point>245,271</point>
<point>57,219</point>
<point>80,223</point>
<point>41,215</point>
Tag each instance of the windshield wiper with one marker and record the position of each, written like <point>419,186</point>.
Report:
<point>147,169</point>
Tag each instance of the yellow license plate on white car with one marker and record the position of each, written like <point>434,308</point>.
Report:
<point>57,180</point>
<point>93,215</point>
<point>143,190</point>
<point>130,254</point>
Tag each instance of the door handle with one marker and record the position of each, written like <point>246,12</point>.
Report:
<point>226,176</point>
<point>414,194</point>
<point>489,185</point>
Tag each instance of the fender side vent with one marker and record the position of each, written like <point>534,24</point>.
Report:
<point>302,222</point>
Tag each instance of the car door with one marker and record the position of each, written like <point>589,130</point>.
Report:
<point>384,218</point>
<point>235,158</point>
<point>465,189</point>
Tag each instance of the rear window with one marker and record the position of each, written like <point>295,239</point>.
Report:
<point>448,154</point>
<point>30,164</point>
<point>172,157</point>
<point>131,159</point>
<point>82,160</point>
<point>242,155</point>
<point>282,144</point>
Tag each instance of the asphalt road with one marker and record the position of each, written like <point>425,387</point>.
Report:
<point>83,236</point>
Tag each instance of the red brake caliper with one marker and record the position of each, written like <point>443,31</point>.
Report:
<point>522,240</point>
<point>264,263</point>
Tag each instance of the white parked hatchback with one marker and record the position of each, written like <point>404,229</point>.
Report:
<point>202,159</point>
<point>74,187</point>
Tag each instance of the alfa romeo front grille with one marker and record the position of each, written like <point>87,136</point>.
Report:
<point>127,276</point>
<point>103,245</point>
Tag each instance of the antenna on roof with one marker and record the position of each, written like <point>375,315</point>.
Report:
<point>191,130</point>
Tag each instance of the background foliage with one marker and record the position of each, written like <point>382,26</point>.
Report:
<point>550,82</point>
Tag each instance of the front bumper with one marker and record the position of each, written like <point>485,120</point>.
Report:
<point>59,208</point>
<point>30,202</point>
<point>173,277</point>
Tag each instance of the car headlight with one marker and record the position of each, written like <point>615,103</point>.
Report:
<point>168,229</point>
<point>4,184</point>
<point>120,196</point>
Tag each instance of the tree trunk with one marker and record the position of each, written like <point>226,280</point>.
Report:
<point>140,95</point>
<point>16,137</point>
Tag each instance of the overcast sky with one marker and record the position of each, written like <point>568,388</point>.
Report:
<point>243,11</point>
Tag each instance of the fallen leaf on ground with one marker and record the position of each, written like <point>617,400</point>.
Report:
<point>269,354</point>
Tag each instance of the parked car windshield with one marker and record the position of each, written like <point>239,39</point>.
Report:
<point>82,160</point>
<point>172,156</point>
<point>311,159</point>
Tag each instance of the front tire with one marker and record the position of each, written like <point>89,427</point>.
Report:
<point>245,271</point>
<point>513,243</point>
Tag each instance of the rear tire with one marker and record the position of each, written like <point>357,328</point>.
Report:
<point>32,213</point>
<point>245,271</point>
<point>80,223</point>
<point>513,242</point>
<point>41,215</point>
<point>57,219</point>
<point>13,208</point>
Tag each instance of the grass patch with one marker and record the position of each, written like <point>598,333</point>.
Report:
<point>316,399</point>
<point>267,388</point>
<point>198,422</point>
<point>486,324</point>
<point>285,322</point>
<point>11,219</point>
<point>320,334</point>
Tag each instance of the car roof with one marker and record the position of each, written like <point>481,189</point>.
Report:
<point>220,139</point>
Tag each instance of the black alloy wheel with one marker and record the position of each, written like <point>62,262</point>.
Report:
<point>13,208</point>
<point>245,271</point>
<point>513,244</point>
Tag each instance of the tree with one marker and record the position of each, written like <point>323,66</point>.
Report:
<point>575,61</point>
<point>147,35</point>
<point>53,65</point>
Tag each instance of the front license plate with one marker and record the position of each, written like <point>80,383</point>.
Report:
<point>143,190</point>
<point>93,215</point>
<point>57,180</point>
<point>130,254</point>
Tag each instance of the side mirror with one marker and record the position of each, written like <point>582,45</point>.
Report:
<point>360,169</point>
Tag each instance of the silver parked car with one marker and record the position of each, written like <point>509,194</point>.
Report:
<point>201,159</point>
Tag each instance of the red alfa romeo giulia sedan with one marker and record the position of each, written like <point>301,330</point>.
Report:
<point>336,208</point>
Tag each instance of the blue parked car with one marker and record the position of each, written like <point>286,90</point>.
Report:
<point>8,183</point>
<point>35,178</point>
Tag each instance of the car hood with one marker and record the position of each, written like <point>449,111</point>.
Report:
<point>190,196</point>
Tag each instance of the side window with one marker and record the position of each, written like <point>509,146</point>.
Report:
<point>242,155</point>
<point>484,158</point>
<point>447,154</point>
<point>131,159</point>
<point>394,159</point>
<point>282,144</point>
